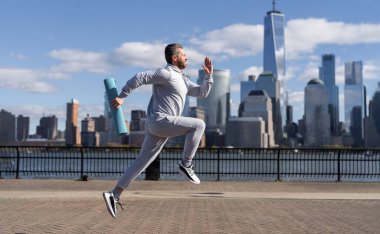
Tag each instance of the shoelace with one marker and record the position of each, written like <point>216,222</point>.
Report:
<point>118,203</point>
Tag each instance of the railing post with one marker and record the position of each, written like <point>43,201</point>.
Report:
<point>18,163</point>
<point>338,166</point>
<point>218,164</point>
<point>278,165</point>
<point>81,162</point>
<point>152,172</point>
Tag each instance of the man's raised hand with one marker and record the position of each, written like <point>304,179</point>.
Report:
<point>207,66</point>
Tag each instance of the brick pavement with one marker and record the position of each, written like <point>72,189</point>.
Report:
<point>63,206</point>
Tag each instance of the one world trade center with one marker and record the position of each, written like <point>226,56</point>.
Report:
<point>274,52</point>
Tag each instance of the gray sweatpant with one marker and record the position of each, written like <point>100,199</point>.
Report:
<point>156,135</point>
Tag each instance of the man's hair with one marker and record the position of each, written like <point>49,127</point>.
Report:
<point>171,50</point>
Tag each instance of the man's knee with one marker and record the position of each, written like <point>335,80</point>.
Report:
<point>201,125</point>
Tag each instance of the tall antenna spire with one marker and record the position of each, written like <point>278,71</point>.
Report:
<point>274,3</point>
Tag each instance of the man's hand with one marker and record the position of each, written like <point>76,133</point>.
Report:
<point>116,103</point>
<point>207,67</point>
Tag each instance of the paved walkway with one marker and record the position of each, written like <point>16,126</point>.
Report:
<point>64,206</point>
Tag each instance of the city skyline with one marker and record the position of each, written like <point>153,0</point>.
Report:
<point>64,50</point>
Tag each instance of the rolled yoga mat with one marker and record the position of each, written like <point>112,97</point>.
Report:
<point>117,114</point>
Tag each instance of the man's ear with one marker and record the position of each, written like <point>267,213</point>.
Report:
<point>174,57</point>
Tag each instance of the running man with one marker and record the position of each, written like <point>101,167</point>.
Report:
<point>164,119</point>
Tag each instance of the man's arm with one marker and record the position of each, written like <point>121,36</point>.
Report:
<point>142,78</point>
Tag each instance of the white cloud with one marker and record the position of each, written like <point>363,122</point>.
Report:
<point>139,54</point>
<point>151,56</point>
<point>304,35</point>
<point>291,72</point>
<point>296,97</point>
<point>235,40</point>
<point>311,71</point>
<point>339,74</point>
<point>256,71</point>
<point>371,70</point>
<point>27,79</point>
<point>196,58</point>
<point>235,88</point>
<point>77,60</point>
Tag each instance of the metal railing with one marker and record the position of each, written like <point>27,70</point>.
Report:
<point>210,163</point>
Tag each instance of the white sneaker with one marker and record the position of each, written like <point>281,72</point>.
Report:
<point>111,203</point>
<point>188,172</point>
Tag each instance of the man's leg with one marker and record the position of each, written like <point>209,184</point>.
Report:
<point>150,149</point>
<point>193,129</point>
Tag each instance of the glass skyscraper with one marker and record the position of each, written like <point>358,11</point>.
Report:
<point>327,75</point>
<point>354,99</point>
<point>274,51</point>
<point>246,87</point>
<point>316,114</point>
<point>217,103</point>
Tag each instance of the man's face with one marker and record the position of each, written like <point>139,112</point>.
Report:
<point>181,59</point>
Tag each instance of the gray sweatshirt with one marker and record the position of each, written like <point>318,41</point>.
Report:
<point>170,88</point>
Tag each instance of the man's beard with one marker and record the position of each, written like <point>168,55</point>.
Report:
<point>181,65</point>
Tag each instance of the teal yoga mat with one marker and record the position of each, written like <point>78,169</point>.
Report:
<point>117,114</point>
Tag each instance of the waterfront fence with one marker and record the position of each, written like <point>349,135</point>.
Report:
<point>210,163</point>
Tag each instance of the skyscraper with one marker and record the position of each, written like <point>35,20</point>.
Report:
<point>72,134</point>
<point>270,84</point>
<point>327,75</point>
<point>246,132</point>
<point>138,118</point>
<point>372,122</point>
<point>100,123</point>
<point>274,52</point>
<point>7,127</point>
<point>22,127</point>
<point>289,115</point>
<point>354,98</point>
<point>89,137</point>
<point>217,103</point>
<point>137,127</point>
<point>317,119</point>
<point>259,104</point>
<point>48,127</point>
<point>246,87</point>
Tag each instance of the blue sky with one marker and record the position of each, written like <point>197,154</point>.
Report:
<point>53,51</point>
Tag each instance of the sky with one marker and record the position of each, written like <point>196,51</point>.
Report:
<point>54,51</point>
